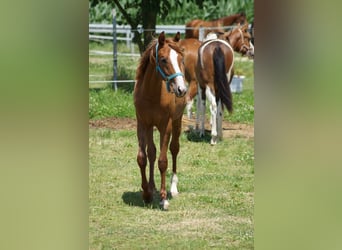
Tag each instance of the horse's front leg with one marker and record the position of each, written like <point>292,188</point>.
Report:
<point>174,148</point>
<point>142,162</point>
<point>162,164</point>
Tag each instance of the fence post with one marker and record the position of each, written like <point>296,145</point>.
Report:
<point>115,59</point>
<point>201,33</point>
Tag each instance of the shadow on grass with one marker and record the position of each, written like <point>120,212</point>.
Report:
<point>193,136</point>
<point>135,199</point>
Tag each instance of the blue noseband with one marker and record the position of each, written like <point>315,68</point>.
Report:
<point>165,77</point>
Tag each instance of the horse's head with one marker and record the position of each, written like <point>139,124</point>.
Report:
<point>240,39</point>
<point>241,18</point>
<point>169,63</point>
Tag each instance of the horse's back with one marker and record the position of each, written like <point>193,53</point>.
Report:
<point>194,24</point>
<point>206,50</point>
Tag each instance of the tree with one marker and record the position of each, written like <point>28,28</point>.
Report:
<point>144,12</point>
<point>147,12</point>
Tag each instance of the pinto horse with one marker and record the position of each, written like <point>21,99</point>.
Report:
<point>159,99</point>
<point>214,72</point>
<point>239,39</point>
<point>192,27</point>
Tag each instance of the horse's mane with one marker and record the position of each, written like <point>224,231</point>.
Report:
<point>145,60</point>
<point>149,55</point>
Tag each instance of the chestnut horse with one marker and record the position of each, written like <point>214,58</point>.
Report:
<point>192,27</point>
<point>159,100</point>
<point>190,47</point>
<point>239,38</point>
<point>214,72</point>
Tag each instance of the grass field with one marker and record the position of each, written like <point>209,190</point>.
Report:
<point>214,208</point>
<point>216,200</point>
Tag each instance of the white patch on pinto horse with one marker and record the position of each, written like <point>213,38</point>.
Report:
<point>210,36</point>
<point>179,80</point>
<point>213,118</point>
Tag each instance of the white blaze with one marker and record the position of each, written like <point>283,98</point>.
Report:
<point>179,80</point>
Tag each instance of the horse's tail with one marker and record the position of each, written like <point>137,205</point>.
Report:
<point>220,79</point>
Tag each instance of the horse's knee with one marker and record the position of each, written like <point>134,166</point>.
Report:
<point>162,165</point>
<point>141,159</point>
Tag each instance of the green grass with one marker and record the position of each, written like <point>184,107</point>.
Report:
<point>214,207</point>
<point>108,103</point>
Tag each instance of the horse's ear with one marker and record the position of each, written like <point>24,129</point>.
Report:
<point>161,38</point>
<point>177,37</point>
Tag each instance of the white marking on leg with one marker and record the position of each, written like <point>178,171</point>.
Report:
<point>173,189</point>
<point>164,204</point>
<point>213,110</point>
<point>189,108</point>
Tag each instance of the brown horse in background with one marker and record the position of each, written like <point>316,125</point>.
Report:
<point>159,99</point>
<point>192,27</point>
<point>238,38</point>
<point>190,47</point>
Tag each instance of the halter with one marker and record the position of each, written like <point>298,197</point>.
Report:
<point>243,40</point>
<point>165,77</point>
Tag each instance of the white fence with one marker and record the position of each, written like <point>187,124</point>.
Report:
<point>125,33</point>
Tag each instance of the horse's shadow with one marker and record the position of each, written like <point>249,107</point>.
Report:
<point>193,135</point>
<point>135,199</point>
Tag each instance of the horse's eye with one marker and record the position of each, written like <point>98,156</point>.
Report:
<point>163,60</point>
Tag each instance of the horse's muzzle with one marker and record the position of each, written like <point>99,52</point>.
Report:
<point>180,92</point>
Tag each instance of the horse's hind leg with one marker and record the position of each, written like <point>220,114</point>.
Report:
<point>174,148</point>
<point>142,162</point>
<point>219,120</point>
<point>200,118</point>
<point>191,95</point>
<point>213,111</point>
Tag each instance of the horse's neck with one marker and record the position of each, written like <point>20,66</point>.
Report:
<point>228,20</point>
<point>233,42</point>
<point>151,87</point>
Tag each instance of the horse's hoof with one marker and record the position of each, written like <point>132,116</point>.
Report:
<point>164,204</point>
<point>213,141</point>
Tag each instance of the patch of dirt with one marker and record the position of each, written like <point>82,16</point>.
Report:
<point>114,123</point>
<point>229,129</point>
